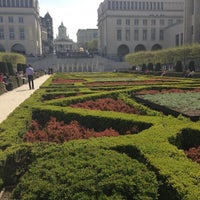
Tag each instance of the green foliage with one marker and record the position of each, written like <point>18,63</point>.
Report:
<point>178,67</point>
<point>186,139</point>
<point>16,164</point>
<point>147,165</point>
<point>171,55</point>
<point>84,174</point>
<point>12,58</point>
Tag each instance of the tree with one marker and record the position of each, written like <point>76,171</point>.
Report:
<point>92,45</point>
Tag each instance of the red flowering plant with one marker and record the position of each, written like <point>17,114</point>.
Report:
<point>107,104</point>
<point>59,132</point>
<point>194,154</point>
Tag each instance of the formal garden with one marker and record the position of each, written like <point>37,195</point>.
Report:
<point>104,136</point>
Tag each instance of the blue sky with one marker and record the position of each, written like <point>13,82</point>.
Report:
<point>75,14</point>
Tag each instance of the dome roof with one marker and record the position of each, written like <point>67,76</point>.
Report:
<point>62,26</point>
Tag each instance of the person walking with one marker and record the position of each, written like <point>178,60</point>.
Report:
<point>29,74</point>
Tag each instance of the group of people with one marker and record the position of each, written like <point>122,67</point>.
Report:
<point>29,74</point>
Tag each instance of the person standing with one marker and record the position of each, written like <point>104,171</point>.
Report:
<point>29,74</point>
<point>3,83</point>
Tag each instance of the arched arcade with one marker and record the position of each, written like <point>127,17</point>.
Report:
<point>18,48</point>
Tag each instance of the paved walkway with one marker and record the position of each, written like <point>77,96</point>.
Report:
<point>12,99</point>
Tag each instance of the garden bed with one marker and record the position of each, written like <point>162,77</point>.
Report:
<point>138,82</point>
<point>189,141</point>
<point>172,101</point>
<point>59,132</point>
<point>107,104</point>
<point>96,146</point>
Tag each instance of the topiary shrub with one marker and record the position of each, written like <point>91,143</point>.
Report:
<point>86,173</point>
<point>186,139</point>
<point>191,66</point>
<point>3,68</point>
<point>10,69</point>
<point>15,165</point>
<point>178,67</point>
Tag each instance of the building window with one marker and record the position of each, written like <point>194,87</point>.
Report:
<point>140,5</point>
<point>136,34</point>
<point>151,6</point>
<point>1,34</point>
<point>128,22</point>
<point>119,22</point>
<point>109,5</point>
<point>119,35</point>
<point>161,35</point>
<point>13,3</point>
<point>21,20</point>
<point>181,39</point>
<point>124,5</point>
<point>162,6</point>
<point>22,3</point>
<point>136,5</point>
<point>121,5</point>
<point>136,22</point>
<point>113,5</point>
<point>128,5</point>
<point>1,19</point>
<point>179,20</point>
<point>145,22</point>
<point>117,5</point>
<point>4,3</point>
<point>147,5</point>
<point>143,5</point>
<point>144,34</point>
<point>26,4</point>
<point>128,33</point>
<point>17,3</point>
<point>21,34</point>
<point>170,22</point>
<point>10,19</point>
<point>154,6</point>
<point>153,22</point>
<point>31,3</point>
<point>132,5</point>
<point>162,22</point>
<point>153,34</point>
<point>177,40</point>
<point>11,33</point>
<point>158,6</point>
<point>192,4</point>
<point>8,3</point>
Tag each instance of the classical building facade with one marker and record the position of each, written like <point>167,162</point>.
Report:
<point>47,34</point>
<point>135,25</point>
<point>63,43</point>
<point>86,35</point>
<point>192,22</point>
<point>20,29</point>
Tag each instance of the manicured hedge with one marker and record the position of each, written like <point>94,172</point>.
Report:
<point>148,165</point>
<point>63,173</point>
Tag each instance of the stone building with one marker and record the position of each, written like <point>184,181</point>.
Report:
<point>192,22</point>
<point>63,43</point>
<point>136,25</point>
<point>86,35</point>
<point>20,29</point>
<point>47,34</point>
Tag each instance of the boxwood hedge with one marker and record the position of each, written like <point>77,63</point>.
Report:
<point>148,165</point>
